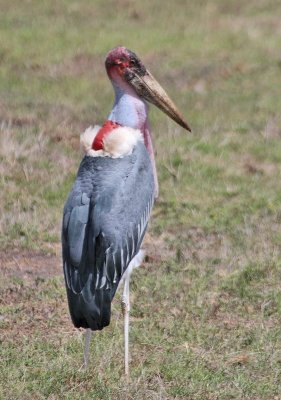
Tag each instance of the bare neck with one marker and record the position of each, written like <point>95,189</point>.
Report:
<point>129,109</point>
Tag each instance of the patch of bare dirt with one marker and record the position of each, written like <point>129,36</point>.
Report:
<point>28,264</point>
<point>156,248</point>
<point>31,304</point>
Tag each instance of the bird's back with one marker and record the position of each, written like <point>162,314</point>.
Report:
<point>105,218</point>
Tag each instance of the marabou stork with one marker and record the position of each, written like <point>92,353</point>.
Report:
<point>107,211</point>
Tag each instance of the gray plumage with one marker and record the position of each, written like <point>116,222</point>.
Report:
<point>104,221</point>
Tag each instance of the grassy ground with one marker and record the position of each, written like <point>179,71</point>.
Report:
<point>207,303</point>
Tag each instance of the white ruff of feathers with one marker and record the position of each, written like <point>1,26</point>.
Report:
<point>118,143</point>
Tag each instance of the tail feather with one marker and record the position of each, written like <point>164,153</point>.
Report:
<point>94,314</point>
<point>91,306</point>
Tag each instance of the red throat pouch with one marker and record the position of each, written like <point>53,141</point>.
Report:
<point>107,127</point>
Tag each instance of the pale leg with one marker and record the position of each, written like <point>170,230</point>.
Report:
<point>126,309</point>
<point>88,335</point>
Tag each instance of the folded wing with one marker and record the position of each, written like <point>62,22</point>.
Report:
<point>105,218</point>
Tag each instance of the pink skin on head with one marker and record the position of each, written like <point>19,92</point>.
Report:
<point>116,63</point>
<point>116,60</point>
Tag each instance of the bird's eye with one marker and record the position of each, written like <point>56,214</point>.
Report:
<point>133,63</point>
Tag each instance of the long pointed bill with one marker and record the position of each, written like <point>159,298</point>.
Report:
<point>149,89</point>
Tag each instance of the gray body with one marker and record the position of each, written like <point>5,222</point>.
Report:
<point>104,221</point>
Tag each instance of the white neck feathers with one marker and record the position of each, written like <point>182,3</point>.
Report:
<point>119,142</point>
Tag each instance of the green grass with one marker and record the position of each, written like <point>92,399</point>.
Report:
<point>206,305</point>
